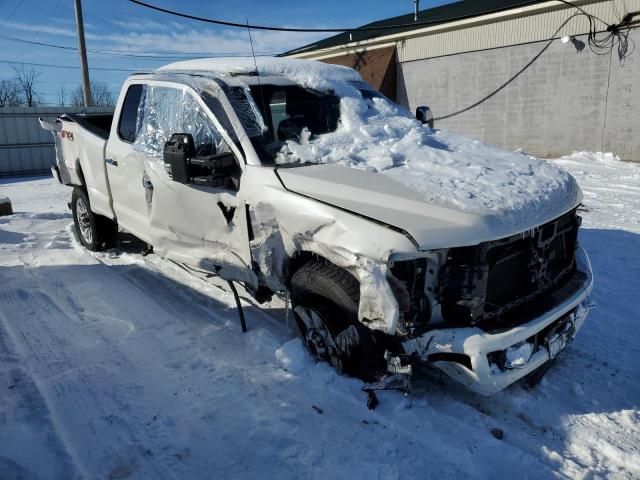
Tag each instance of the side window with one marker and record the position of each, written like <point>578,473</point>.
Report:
<point>166,111</point>
<point>127,126</point>
<point>278,108</point>
<point>207,139</point>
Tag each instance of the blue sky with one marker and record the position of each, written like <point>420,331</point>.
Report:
<point>118,25</point>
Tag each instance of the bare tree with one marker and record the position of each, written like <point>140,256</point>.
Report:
<point>26,79</point>
<point>9,93</point>
<point>62,96</point>
<point>101,95</point>
<point>77,98</point>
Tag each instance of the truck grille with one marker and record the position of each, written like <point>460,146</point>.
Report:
<point>482,284</point>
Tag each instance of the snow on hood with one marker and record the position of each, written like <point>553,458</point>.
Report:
<point>444,168</point>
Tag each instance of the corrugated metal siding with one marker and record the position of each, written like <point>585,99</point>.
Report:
<point>511,31</point>
<point>24,146</point>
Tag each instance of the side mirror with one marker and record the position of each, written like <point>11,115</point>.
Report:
<point>184,166</point>
<point>177,153</point>
<point>424,115</point>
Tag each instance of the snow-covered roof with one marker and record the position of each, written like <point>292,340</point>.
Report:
<point>305,72</point>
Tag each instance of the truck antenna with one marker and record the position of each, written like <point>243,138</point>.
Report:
<point>255,63</point>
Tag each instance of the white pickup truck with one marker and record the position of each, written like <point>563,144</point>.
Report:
<point>397,242</point>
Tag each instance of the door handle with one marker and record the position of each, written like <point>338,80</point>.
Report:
<point>111,161</point>
<point>146,183</point>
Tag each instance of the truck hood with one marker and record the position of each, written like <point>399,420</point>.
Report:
<point>432,222</point>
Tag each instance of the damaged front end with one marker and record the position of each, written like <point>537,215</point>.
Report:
<point>490,314</point>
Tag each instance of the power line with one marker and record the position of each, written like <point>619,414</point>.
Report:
<point>48,65</point>
<point>616,35</point>
<point>584,12</point>
<point>306,30</point>
<point>12,13</point>
<point>518,73</point>
<point>116,53</point>
<point>124,37</point>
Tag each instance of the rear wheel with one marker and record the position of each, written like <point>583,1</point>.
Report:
<point>95,232</point>
<point>325,305</point>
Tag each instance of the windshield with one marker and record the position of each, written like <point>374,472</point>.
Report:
<point>275,114</point>
<point>289,113</point>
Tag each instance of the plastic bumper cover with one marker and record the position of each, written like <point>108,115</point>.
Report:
<point>476,344</point>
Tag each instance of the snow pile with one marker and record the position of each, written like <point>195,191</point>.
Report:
<point>591,158</point>
<point>293,357</point>
<point>445,168</point>
<point>611,186</point>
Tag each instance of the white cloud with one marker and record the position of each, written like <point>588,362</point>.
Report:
<point>151,36</point>
<point>142,25</point>
<point>229,41</point>
<point>30,27</point>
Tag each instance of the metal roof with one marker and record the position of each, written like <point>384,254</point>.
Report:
<point>434,16</point>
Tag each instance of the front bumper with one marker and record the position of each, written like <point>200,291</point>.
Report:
<point>469,348</point>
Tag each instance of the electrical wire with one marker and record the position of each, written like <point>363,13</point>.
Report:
<point>12,13</point>
<point>227,23</point>
<point>518,73</point>
<point>618,35</point>
<point>116,53</point>
<point>583,11</point>
<point>615,35</point>
<point>49,65</point>
<point>124,37</point>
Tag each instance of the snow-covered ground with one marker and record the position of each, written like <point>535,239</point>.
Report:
<point>117,366</point>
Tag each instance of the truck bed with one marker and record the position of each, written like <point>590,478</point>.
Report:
<point>99,125</point>
<point>80,141</point>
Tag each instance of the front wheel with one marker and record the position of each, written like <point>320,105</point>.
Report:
<point>325,306</point>
<point>95,232</point>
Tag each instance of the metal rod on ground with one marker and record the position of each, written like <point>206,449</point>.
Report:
<point>240,312</point>
<point>286,306</point>
<point>84,68</point>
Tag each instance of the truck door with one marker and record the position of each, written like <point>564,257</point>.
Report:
<point>202,223</point>
<point>125,166</point>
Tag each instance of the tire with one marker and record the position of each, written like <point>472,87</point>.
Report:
<point>325,301</point>
<point>95,232</point>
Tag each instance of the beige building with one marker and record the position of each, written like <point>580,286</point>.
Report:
<point>453,56</point>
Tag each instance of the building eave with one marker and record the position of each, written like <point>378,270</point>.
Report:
<point>392,39</point>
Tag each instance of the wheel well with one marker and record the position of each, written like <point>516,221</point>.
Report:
<point>83,182</point>
<point>302,257</point>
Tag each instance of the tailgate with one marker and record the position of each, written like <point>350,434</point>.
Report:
<point>58,169</point>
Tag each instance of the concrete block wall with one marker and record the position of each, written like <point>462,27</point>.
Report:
<point>566,101</point>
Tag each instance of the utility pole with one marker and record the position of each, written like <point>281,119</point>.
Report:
<point>84,68</point>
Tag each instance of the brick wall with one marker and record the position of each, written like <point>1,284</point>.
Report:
<point>377,68</point>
